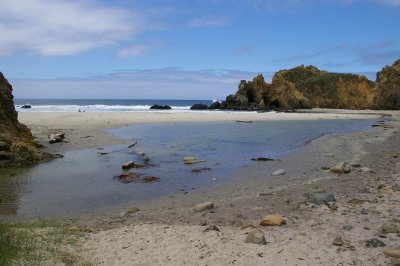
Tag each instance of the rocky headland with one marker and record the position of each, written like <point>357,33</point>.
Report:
<point>305,87</point>
<point>17,146</point>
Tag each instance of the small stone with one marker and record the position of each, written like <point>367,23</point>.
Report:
<point>123,214</point>
<point>356,201</point>
<point>364,211</point>
<point>128,165</point>
<point>203,206</point>
<point>374,243</point>
<point>273,220</point>
<point>338,168</point>
<point>73,228</point>
<point>396,186</point>
<point>279,172</point>
<point>397,168</point>
<point>338,241</point>
<point>347,227</point>
<point>256,236</point>
<point>192,160</point>
<point>203,223</point>
<point>346,168</point>
<point>355,163</point>
<point>365,169</point>
<point>364,190</point>
<point>133,209</point>
<point>211,228</point>
<point>389,229</point>
<point>329,154</point>
<point>320,197</point>
<point>393,253</point>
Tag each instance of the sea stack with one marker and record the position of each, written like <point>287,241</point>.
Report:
<point>17,146</point>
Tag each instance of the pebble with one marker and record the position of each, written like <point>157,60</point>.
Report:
<point>365,169</point>
<point>374,243</point>
<point>364,190</point>
<point>279,172</point>
<point>128,165</point>
<point>394,253</point>
<point>347,227</point>
<point>320,197</point>
<point>203,206</point>
<point>396,186</point>
<point>273,220</point>
<point>338,168</point>
<point>133,209</point>
<point>203,223</point>
<point>389,229</point>
<point>256,236</point>
<point>364,211</point>
<point>211,228</point>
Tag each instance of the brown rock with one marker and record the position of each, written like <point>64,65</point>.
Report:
<point>273,220</point>
<point>15,137</point>
<point>394,253</point>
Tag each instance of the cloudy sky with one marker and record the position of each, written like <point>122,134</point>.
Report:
<point>185,49</point>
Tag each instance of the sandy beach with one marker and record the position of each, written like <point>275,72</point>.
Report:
<point>166,231</point>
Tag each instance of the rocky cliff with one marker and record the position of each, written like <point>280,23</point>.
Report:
<point>388,87</point>
<point>16,142</point>
<point>303,87</point>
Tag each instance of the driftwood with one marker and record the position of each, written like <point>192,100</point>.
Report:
<point>54,138</point>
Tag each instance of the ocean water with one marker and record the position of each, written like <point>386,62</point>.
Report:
<point>105,105</point>
<point>83,180</point>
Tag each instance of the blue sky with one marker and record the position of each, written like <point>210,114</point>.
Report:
<point>185,49</point>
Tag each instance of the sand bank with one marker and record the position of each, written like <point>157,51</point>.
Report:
<point>165,231</point>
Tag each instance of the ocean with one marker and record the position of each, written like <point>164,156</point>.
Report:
<point>102,105</point>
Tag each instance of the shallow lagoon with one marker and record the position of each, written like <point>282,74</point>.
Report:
<point>83,180</point>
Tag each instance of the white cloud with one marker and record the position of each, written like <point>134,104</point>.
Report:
<point>199,23</point>
<point>133,51</point>
<point>390,2</point>
<point>62,27</point>
<point>166,83</point>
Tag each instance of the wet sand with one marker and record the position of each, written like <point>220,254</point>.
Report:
<point>165,231</point>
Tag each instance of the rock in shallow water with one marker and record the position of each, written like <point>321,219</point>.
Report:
<point>256,236</point>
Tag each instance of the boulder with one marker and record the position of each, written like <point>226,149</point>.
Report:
<point>160,107</point>
<point>16,139</point>
<point>26,106</point>
<point>54,138</point>
<point>199,106</point>
<point>215,105</point>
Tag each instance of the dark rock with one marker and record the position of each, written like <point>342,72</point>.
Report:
<point>374,243</point>
<point>18,138</point>
<point>26,106</point>
<point>256,236</point>
<point>199,106</point>
<point>320,197</point>
<point>262,159</point>
<point>347,227</point>
<point>364,211</point>
<point>215,105</point>
<point>160,107</point>
<point>128,177</point>
<point>364,190</point>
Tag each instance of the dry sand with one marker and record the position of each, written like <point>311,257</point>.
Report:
<point>166,232</point>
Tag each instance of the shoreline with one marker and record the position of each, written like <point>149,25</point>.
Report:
<point>307,237</point>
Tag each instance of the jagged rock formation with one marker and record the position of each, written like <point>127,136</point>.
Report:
<point>303,87</point>
<point>16,142</point>
<point>388,87</point>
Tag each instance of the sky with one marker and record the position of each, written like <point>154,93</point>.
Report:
<point>185,49</point>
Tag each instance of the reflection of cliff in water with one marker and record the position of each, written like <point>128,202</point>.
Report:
<point>13,182</point>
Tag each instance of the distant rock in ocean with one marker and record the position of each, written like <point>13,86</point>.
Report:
<point>305,87</point>
<point>16,142</point>
<point>160,107</point>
